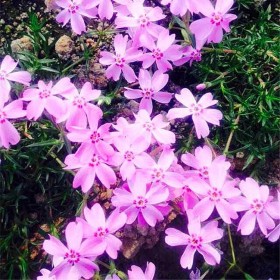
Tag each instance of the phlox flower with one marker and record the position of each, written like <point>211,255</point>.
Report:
<point>73,11</point>
<point>123,4</point>
<point>216,20</point>
<point>6,68</point>
<point>136,273</point>
<point>150,90</point>
<point>274,235</point>
<point>74,260</point>
<point>100,231</point>
<point>259,206</point>
<point>180,7</point>
<point>105,8</point>
<point>199,239</point>
<point>8,133</point>
<point>90,166</point>
<point>189,54</point>
<point>118,62</point>
<point>161,52</point>
<point>202,160</point>
<point>79,106</point>
<point>152,129</point>
<point>141,202</point>
<point>46,275</point>
<point>44,97</point>
<point>198,110</point>
<point>215,194</point>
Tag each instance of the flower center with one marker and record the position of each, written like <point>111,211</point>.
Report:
<point>149,126</point>
<point>148,93</point>
<point>196,55</point>
<point>78,101</point>
<point>72,257</point>
<point>101,232</point>
<point>157,174</point>
<point>195,240</point>
<point>215,194</point>
<point>140,202</point>
<point>3,117</point>
<point>129,156</point>
<point>44,94</point>
<point>217,18</point>
<point>195,109</point>
<point>203,172</point>
<point>143,21</point>
<point>73,8</point>
<point>95,161</point>
<point>95,137</point>
<point>119,60</point>
<point>257,206</point>
<point>157,54</point>
<point>3,75</point>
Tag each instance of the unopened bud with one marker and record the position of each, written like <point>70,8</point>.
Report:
<point>201,87</point>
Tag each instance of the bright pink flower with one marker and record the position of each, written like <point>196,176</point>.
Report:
<point>200,115</point>
<point>100,231</point>
<point>199,239</point>
<point>105,8</point>
<point>118,62</point>
<point>44,97</point>
<point>90,165</point>
<point>74,11</point>
<point>215,194</point>
<point>140,201</point>
<point>211,27</point>
<point>74,260</point>
<point>150,89</point>
<point>260,207</point>
<point>180,7</point>
<point>202,160</point>
<point>79,106</point>
<point>7,66</point>
<point>8,133</point>
<point>136,273</point>
<point>162,52</point>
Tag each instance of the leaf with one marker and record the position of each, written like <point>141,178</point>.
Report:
<point>45,143</point>
<point>248,276</point>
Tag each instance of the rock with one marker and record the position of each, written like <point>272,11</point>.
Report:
<point>64,47</point>
<point>22,44</point>
<point>50,5</point>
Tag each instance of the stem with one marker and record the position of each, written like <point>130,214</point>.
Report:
<point>219,50</point>
<point>72,65</point>
<point>103,264</point>
<point>231,246</point>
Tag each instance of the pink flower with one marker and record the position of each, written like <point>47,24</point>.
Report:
<point>274,235</point>
<point>140,201</point>
<point>215,194</point>
<point>136,273</point>
<point>105,8</point>
<point>74,260</point>
<point>100,231</point>
<point>199,239</point>
<point>90,165</point>
<point>46,275</point>
<point>8,133</point>
<point>260,207</point>
<point>74,11</point>
<point>79,106</point>
<point>7,66</point>
<point>179,7</point>
<point>44,97</point>
<point>200,115</point>
<point>202,160</point>
<point>162,52</point>
<point>150,89</point>
<point>119,61</point>
<point>190,54</point>
<point>211,27</point>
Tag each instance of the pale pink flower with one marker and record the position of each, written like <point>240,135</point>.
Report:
<point>46,275</point>
<point>73,11</point>
<point>90,166</point>
<point>161,52</point>
<point>180,7</point>
<point>217,19</point>
<point>260,207</point>
<point>215,194</point>
<point>141,202</point>
<point>105,8</point>
<point>44,97</point>
<point>136,273</point>
<point>198,110</point>
<point>190,54</point>
<point>8,133</point>
<point>150,90</point>
<point>79,106</point>
<point>99,230</point>
<point>118,62</point>
<point>274,235</point>
<point>74,260</point>
<point>7,67</point>
<point>202,160</point>
<point>199,239</point>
